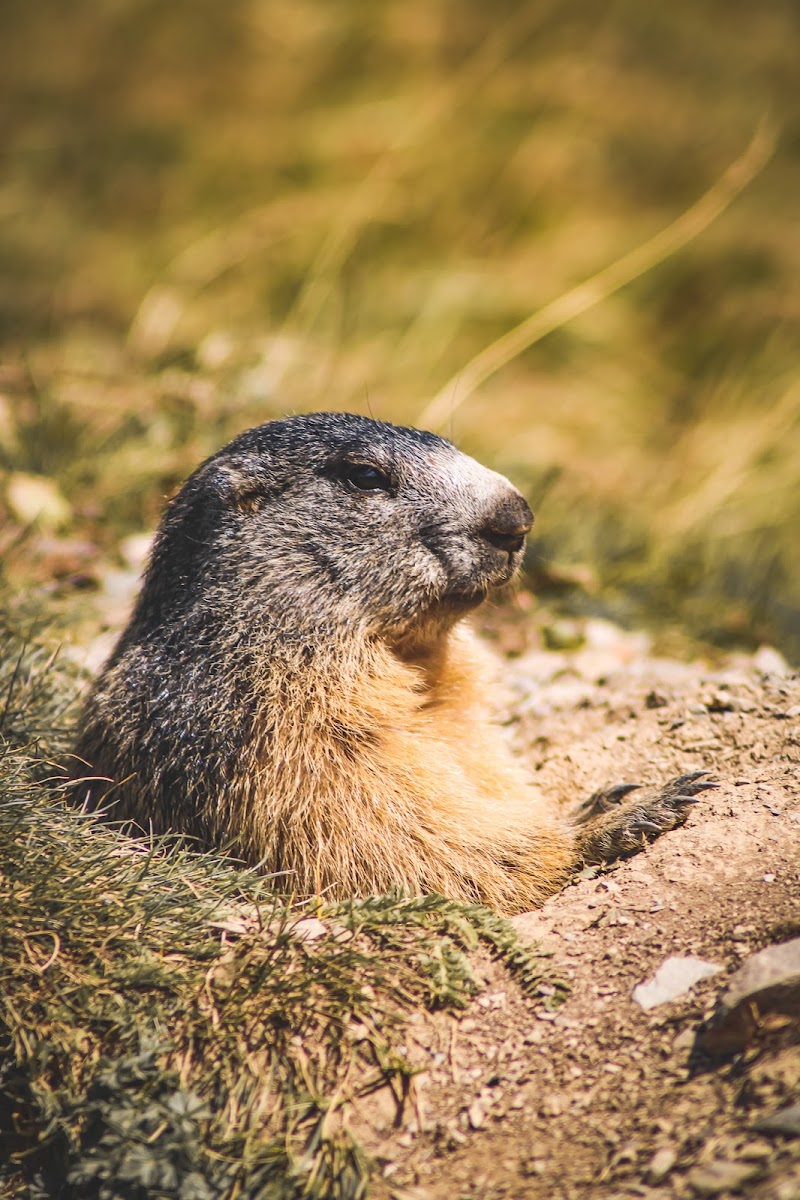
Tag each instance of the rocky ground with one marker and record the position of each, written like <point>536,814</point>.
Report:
<point>599,1097</point>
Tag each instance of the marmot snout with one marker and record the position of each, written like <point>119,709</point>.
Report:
<point>293,682</point>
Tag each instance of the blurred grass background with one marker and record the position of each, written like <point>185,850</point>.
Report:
<point>214,214</point>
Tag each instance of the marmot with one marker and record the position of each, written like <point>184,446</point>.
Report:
<point>295,685</point>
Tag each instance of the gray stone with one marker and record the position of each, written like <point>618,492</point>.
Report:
<point>768,983</point>
<point>661,1164</point>
<point>720,1176</point>
<point>674,977</point>
<point>785,1120</point>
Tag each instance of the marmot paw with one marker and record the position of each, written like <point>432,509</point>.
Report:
<point>615,830</point>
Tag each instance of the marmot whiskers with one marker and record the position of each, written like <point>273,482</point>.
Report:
<point>294,682</point>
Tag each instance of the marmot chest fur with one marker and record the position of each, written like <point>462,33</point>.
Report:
<point>294,683</point>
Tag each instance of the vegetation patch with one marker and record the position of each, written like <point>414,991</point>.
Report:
<point>211,215</point>
<point>169,1025</point>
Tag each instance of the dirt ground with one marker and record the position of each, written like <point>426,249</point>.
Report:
<point>598,1098</point>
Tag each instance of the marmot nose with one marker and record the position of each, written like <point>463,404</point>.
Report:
<point>508,524</point>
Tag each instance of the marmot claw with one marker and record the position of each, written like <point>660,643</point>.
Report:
<point>619,830</point>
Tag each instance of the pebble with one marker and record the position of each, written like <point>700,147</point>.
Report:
<point>785,1120</point>
<point>661,1164</point>
<point>684,1041</point>
<point>673,978</point>
<point>770,661</point>
<point>720,1176</point>
<point>755,1151</point>
<point>476,1114</point>
<point>308,929</point>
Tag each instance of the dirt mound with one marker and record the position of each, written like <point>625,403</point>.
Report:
<point>597,1097</point>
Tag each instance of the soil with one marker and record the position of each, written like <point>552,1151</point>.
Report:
<point>595,1097</point>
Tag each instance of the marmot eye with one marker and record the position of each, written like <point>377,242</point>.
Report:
<point>365,478</point>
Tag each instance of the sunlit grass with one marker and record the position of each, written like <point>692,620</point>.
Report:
<point>213,216</point>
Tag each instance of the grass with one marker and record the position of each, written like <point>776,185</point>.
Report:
<point>170,1026</point>
<point>213,216</point>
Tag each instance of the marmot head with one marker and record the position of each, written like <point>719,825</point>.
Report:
<point>329,524</point>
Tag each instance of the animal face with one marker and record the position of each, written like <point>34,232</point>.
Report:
<point>333,520</point>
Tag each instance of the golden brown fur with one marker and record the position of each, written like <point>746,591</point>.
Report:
<point>404,783</point>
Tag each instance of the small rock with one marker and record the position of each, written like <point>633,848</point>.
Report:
<point>493,1000</point>
<point>719,702</point>
<point>720,1176</point>
<point>308,929</point>
<point>793,712</point>
<point>673,978</point>
<point>661,1164</point>
<point>534,1166</point>
<point>656,699</point>
<point>684,1041</point>
<point>785,1120</point>
<point>476,1114</point>
<point>552,1105</point>
<point>755,1151</point>
<point>595,666</point>
<point>770,661</point>
<point>697,710</point>
<point>767,983</point>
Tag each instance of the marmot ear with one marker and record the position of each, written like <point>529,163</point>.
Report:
<point>236,484</point>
